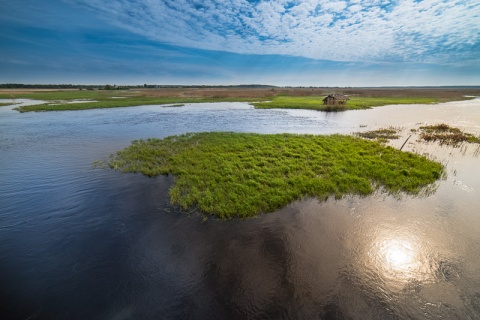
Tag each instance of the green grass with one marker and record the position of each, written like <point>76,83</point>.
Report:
<point>242,175</point>
<point>316,103</point>
<point>5,104</point>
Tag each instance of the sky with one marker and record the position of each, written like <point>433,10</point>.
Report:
<point>228,42</point>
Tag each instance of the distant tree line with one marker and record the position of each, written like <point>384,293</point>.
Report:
<point>40,86</point>
<point>125,87</point>
<point>65,86</point>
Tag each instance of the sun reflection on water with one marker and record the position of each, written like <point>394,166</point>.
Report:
<point>399,259</point>
<point>399,255</point>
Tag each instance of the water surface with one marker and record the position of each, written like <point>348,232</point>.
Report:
<point>78,243</point>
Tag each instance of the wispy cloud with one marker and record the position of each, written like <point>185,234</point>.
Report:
<point>438,31</point>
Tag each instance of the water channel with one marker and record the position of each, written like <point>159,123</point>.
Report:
<point>79,243</point>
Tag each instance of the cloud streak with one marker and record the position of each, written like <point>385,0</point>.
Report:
<point>431,31</point>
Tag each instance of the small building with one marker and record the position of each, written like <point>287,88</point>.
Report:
<point>335,99</point>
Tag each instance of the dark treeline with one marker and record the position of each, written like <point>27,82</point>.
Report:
<point>64,86</point>
<point>123,87</point>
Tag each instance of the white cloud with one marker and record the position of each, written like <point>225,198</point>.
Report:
<point>335,6</point>
<point>373,30</point>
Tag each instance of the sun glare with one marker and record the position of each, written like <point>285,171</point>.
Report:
<point>398,255</point>
<point>399,259</point>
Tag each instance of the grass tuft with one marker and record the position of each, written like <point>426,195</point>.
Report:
<point>447,135</point>
<point>382,134</point>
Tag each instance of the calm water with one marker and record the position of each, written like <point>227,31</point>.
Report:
<point>78,243</point>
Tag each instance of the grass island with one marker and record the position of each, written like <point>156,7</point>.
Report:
<point>227,174</point>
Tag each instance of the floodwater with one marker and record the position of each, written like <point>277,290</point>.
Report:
<point>79,243</point>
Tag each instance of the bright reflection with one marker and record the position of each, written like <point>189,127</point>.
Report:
<point>399,259</point>
<point>398,255</point>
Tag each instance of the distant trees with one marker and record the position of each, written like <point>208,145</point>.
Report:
<point>40,86</point>
<point>64,86</point>
<point>126,87</point>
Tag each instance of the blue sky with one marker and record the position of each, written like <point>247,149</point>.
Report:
<point>286,43</point>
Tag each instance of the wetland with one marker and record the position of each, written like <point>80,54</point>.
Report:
<point>265,98</point>
<point>80,243</point>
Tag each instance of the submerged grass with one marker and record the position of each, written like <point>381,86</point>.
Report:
<point>242,175</point>
<point>382,134</point>
<point>445,134</point>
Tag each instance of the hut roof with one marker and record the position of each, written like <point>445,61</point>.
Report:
<point>336,97</point>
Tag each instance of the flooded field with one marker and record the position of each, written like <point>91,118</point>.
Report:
<point>79,243</point>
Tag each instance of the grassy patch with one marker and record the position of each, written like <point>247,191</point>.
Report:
<point>5,104</point>
<point>100,104</point>
<point>316,103</point>
<point>292,102</point>
<point>238,174</point>
<point>445,134</point>
<point>382,134</point>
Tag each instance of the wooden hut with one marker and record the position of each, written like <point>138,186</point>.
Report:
<point>335,100</point>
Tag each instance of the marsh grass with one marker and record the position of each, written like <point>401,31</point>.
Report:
<point>355,102</point>
<point>61,100</point>
<point>242,175</point>
<point>446,135</point>
<point>381,135</point>
<point>115,103</point>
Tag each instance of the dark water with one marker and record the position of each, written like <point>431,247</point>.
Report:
<point>78,243</point>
